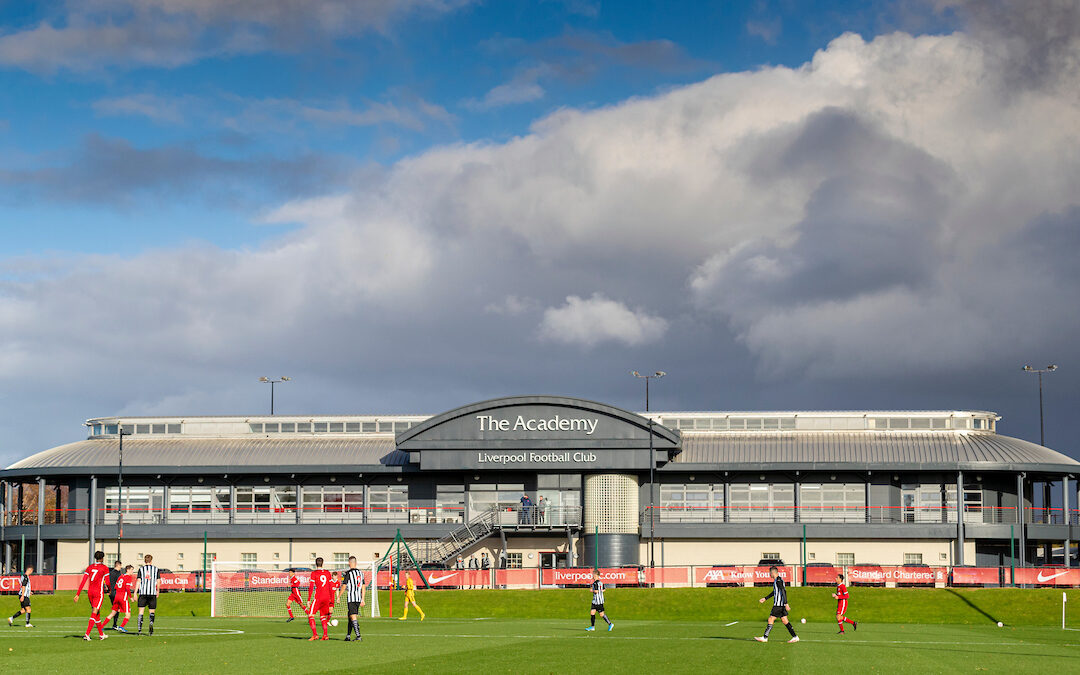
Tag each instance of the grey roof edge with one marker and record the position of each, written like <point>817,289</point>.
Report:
<point>671,435</point>
<point>849,467</point>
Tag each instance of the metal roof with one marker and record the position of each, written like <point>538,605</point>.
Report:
<point>869,449</point>
<point>183,455</point>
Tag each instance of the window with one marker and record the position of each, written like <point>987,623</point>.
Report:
<point>811,555</point>
<point>388,503</point>
<point>513,560</point>
<point>337,427</point>
<point>140,504</point>
<point>762,502</point>
<point>157,428</point>
<point>198,504</point>
<point>333,503</point>
<point>173,428</point>
<point>110,559</point>
<point>913,558</point>
<point>288,427</point>
<point>247,561</point>
<point>256,428</point>
<point>142,428</point>
<point>319,427</point>
<point>369,427</point>
<point>691,503</point>
<point>180,566</point>
<point>925,503</point>
<point>303,427</point>
<point>845,559</point>
<point>770,556</point>
<point>340,559</point>
<point>449,504</point>
<point>271,427</point>
<point>265,503</point>
<point>208,558</point>
<point>943,556</point>
<point>352,427</point>
<point>386,427</point>
<point>832,502</point>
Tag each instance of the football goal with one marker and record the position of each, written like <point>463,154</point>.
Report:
<point>261,588</point>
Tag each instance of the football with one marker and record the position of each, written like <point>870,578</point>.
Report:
<point>1000,624</point>
<point>333,622</point>
<point>802,620</point>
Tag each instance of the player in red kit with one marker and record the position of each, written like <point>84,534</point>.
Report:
<point>294,595</point>
<point>121,605</point>
<point>841,596</point>
<point>320,599</point>
<point>96,581</point>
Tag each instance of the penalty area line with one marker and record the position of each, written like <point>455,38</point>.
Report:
<point>730,624</point>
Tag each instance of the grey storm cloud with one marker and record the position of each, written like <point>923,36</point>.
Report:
<point>887,224</point>
<point>114,171</point>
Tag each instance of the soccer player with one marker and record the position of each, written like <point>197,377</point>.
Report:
<point>354,596</point>
<point>115,573</point>
<point>120,592</point>
<point>294,595</point>
<point>841,596</point>
<point>24,598</point>
<point>780,607</point>
<point>320,599</point>
<point>410,597</point>
<point>96,581</point>
<point>598,603</point>
<point>147,588</point>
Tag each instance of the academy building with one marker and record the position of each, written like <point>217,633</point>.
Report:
<point>546,481</point>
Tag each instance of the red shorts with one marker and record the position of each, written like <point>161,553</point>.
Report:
<point>841,607</point>
<point>95,601</point>
<point>320,607</point>
<point>121,606</point>
<point>295,597</point>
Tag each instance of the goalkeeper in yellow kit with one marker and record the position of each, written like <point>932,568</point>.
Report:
<point>410,596</point>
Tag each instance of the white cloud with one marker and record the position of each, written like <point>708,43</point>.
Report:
<point>588,322</point>
<point>523,88</point>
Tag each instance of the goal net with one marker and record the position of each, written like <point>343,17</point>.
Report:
<point>260,589</point>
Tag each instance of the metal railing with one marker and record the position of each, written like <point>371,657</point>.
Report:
<point>922,515</point>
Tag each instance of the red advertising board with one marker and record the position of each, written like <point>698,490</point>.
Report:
<point>38,582</point>
<point>517,578</point>
<point>739,575</point>
<point>874,574</point>
<point>582,576</point>
<point>178,582</point>
<point>975,576</point>
<point>1047,576</point>
<point>667,575</point>
<point>272,579</point>
<point>822,575</point>
<point>450,578</point>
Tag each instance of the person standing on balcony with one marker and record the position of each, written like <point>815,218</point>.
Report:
<point>485,568</point>
<point>541,510</point>
<point>523,516</point>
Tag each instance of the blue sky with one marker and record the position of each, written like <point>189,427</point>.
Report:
<point>410,205</point>
<point>241,106</point>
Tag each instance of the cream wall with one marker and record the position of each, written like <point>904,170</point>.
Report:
<point>886,552</point>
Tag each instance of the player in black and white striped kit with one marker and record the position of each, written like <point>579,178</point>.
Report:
<point>780,606</point>
<point>146,585</point>
<point>352,586</point>
<point>598,603</point>
<point>24,598</point>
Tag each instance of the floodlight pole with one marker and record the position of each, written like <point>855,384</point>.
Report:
<point>120,491</point>
<point>272,382</point>
<point>652,466</point>
<point>1049,369</point>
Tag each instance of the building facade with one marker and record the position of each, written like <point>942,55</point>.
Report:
<point>542,481</point>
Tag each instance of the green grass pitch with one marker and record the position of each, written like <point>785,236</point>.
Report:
<point>658,630</point>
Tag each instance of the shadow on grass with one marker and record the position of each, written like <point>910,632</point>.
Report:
<point>972,605</point>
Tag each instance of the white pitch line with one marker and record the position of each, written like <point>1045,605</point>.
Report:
<point>730,624</point>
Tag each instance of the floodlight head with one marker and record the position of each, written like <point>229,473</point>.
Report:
<point>1026,368</point>
<point>1051,368</point>
<point>659,373</point>
<point>285,379</point>
<point>635,373</point>
<point>264,379</point>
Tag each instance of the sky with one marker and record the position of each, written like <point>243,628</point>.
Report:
<point>410,205</point>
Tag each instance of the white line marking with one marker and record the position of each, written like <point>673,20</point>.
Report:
<point>730,624</point>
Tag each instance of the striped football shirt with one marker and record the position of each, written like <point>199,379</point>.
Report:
<point>598,592</point>
<point>24,587</point>
<point>354,585</point>
<point>779,592</point>
<point>147,580</point>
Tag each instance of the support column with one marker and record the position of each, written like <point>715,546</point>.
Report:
<point>1065,513</point>
<point>92,515</point>
<point>232,504</point>
<point>959,517</point>
<point>165,504</point>
<point>796,499</point>
<point>1021,518</point>
<point>300,505</point>
<point>866,500</point>
<point>3,525</point>
<point>39,566</point>
<point>727,500</point>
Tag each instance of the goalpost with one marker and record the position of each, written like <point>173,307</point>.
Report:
<point>260,588</point>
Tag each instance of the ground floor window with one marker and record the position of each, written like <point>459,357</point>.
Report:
<point>913,558</point>
<point>845,559</point>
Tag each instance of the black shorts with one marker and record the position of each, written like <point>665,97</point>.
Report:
<point>354,608</point>
<point>24,602</point>
<point>599,607</point>
<point>778,612</point>
<point>148,601</point>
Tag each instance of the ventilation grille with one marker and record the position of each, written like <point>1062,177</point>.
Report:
<point>611,504</point>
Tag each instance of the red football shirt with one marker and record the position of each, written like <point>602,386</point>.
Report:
<point>124,585</point>
<point>96,579</point>
<point>841,592</point>
<point>294,581</point>
<point>321,585</point>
